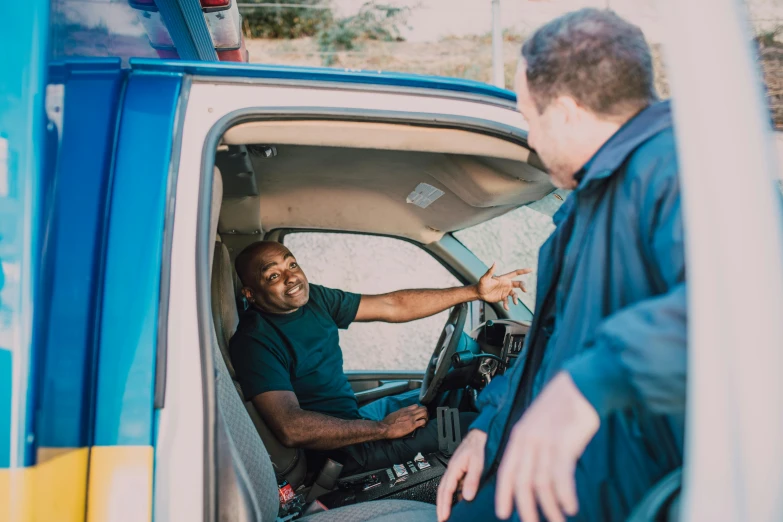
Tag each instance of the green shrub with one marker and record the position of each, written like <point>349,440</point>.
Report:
<point>769,37</point>
<point>373,22</point>
<point>285,22</point>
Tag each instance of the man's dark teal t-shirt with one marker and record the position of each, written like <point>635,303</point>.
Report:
<point>299,352</point>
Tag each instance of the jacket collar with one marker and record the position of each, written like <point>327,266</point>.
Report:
<point>649,122</point>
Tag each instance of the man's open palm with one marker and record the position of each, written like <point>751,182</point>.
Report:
<point>496,289</point>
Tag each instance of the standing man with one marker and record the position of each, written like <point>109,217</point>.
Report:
<point>592,418</point>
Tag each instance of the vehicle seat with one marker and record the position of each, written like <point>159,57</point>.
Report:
<point>289,463</point>
<point>255,464</point>
<point>251,440</point>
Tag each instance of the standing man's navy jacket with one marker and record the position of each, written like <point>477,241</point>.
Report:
<point>611,311</point>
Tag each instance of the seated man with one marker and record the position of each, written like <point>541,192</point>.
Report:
<point>288,360</point>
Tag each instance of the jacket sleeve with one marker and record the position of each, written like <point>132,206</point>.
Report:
<point>488,404</point>
<point>638,354</point>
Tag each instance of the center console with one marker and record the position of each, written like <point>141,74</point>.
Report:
<point>416,479</point>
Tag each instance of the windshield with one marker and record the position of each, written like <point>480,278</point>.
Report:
<point>513,239</point>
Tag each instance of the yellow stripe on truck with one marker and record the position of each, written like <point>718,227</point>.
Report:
<point>53,489</point>
<point>120,484</point>
<point>56,489</point>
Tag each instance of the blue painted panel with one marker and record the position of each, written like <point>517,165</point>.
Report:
<point>50,148</point>
<point>73,249</point>
<point>126,365</point>
<point>22,89</point>
<point>323,74</point>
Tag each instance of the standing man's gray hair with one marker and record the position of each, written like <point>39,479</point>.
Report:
<point>594,56</point>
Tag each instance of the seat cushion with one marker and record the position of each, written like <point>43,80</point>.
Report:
<point>378,511</point>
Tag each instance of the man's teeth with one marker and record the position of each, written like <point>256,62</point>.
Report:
<point>294,290</point>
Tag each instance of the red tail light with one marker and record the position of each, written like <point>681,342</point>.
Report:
<point>213,4</point>
<point>234,55</point>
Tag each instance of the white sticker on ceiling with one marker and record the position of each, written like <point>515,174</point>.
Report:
<point>423,195</point>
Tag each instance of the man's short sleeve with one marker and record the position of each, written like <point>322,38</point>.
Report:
<point>340,305</point>
<point>259,368</point>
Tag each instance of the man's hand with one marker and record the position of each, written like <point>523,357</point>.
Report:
<point>464,470</point>
<point>404,421</point>
<point>539,462</point>
<point>494,289</point>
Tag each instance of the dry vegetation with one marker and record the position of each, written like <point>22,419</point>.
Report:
<point>772,65</point>
<point>470,58</point>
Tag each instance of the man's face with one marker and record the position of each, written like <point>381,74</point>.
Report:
<point>280,286</point>
<point>550,134</point>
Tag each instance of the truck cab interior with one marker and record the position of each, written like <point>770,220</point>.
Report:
<point>273,177</point>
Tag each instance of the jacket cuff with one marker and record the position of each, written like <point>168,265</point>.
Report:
<point>603,381</point>
<point>483,421</point>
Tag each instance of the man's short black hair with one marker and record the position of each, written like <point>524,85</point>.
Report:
<point>594,56</point>
<point>246,263</point>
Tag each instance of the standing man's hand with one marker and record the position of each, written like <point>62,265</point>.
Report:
<point>402,422</point>
<point>464,469</point>
<point>496,289</point>
<point>540,458</point>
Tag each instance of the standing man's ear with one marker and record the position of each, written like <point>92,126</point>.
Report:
<point>247,293</point>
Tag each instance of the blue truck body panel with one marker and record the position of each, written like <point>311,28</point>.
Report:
<point>131,291</point>
<point>76,225</point>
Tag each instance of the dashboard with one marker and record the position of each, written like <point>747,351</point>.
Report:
<point>503,338</point>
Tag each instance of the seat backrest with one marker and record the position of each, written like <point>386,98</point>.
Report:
<point>289,463</point>
<point>252,456</point>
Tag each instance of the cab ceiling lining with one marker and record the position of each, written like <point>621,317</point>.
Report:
<point>356,176</point>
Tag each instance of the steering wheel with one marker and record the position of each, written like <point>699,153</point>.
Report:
<point>440,362</point>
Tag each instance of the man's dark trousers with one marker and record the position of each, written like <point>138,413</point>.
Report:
<point>378,454</point>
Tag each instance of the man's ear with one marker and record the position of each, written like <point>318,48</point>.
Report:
<point>570,110</point>
<point>247,293</point>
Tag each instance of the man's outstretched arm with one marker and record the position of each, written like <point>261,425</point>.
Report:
<point>298,428</point>
<point>407,305</point>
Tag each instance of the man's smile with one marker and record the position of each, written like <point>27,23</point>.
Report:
<point>295,290</point>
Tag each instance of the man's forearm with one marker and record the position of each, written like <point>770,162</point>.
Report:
<point>409,305</point>
<point>311,430</point>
